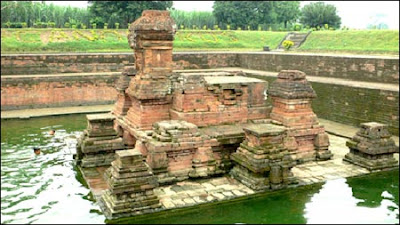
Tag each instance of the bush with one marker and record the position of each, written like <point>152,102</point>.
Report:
<point>67,25</point>
<point>105,25</point>
<point>51,24</point>
<point>16,25</point>
<point>93,25</point>
<point>116,25</point>
<point>83,26</point>
<point>37,24</point>
<point>287,44</point>
<point>297,27</point>
<point>99,21</point>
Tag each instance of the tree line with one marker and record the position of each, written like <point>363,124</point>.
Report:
<point>235,15</point>
<point>21,14</point>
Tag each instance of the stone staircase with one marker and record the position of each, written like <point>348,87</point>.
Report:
<point>297,38</point>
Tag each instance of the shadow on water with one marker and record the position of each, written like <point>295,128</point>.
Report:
<point>48,189</point>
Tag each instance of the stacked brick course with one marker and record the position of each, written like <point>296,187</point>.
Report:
<point>205,100</point>
<point>262,160</point>
<point>178,151</point>
<point>123,102</point>
<point>372,147</point>
<point>131,185</point>
<point>98,143</point>
<point>291,99</point>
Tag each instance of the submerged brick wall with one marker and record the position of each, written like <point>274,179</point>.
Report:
<point>26,92</point>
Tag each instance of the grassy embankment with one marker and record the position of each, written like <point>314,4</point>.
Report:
<point>384,42</point>
<point>353,41</point>
<point>69,40</point>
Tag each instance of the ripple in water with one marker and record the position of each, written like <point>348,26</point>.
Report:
<point>42,188</point>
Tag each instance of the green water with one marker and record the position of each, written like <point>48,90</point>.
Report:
<point>46,188</point>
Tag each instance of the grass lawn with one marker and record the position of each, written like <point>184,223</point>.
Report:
<point>58,40</point>
<point>353,41</point>
<point>70,40</point>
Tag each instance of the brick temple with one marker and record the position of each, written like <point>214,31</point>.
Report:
<point>168,126</point>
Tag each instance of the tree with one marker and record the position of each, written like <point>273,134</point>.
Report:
<point>124,12</point>
<point>287,11</point>
<point>244,13</point>
<point>318,14</point>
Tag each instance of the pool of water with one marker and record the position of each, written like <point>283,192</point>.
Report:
<point>46,188</point>
<point>43,188</point>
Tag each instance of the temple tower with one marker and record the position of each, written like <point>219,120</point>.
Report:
<point>151,38</point>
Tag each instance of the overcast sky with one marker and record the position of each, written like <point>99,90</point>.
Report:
<point>354,14</point>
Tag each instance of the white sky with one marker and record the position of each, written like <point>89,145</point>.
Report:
<point>354,14</point>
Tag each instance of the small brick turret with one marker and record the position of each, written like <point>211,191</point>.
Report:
<point>372,148</point>
<point>291,99</point>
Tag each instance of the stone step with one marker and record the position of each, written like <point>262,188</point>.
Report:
<point>299,35</point>
<point>296,39</point>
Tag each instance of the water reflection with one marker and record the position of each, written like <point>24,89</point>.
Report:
<point>368,199</point>
<point>282,207</point>
<point>381,190</point>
